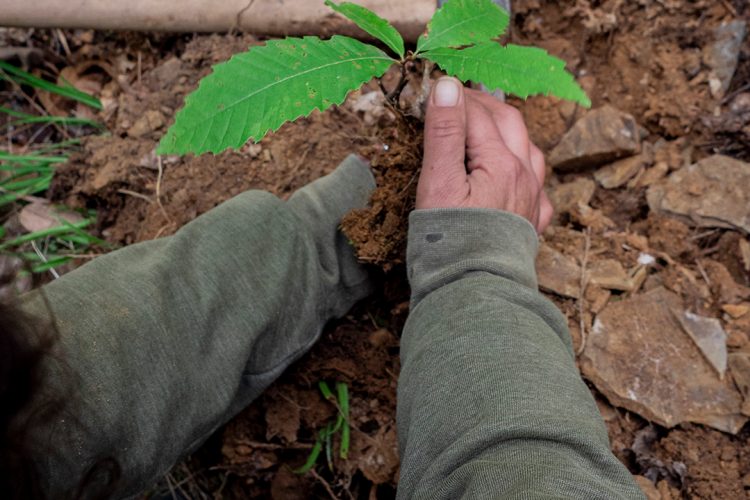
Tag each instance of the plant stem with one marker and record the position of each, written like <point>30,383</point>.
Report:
<point>393,96</point>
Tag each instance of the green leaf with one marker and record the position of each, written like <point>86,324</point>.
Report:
<point>463,22</point>
<point>372,24</point>
<point>522,71</point>
<point>263,88</point>
<point>8,71</point>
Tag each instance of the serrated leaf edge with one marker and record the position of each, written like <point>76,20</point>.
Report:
<point>424,36</point>
<point>585,101</point>
<point>162,148</point>
<point>400,49</point>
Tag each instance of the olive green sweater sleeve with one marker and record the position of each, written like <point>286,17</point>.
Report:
<point>166,340</point>
<point>490,403</point>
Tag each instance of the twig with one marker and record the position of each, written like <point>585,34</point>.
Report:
<point>325,484</point>
<point>64,42</point>
<point>158,189</point>
<point>702,270</point>
<point>274,446</point>
<point>135,195</point>
<point>730,8</point>
<point>582,291</point>
<point>52,271</point>
<point>168,479</point>
<point>735,93</point>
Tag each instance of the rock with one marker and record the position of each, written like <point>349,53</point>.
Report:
<point>653,174</point>
<point>640,359</point>
<point>558,273</point>
<point>648,488</point>
<point>740,104</point>
<point>150,121</point>
<point>597,298</point>
<point>709,336</point>
<point>617,174</point>
<point>739,366</point>
<point>745,254</point>
<point>736,311</point>
<point>565,197</point>
<point>167,72</point>
<point>609,274</point>
<point>591,217</point>
<point>723,286</point>
<point>710,193</point>
<point>723,54</point>
<point>600,137</point>
<point>676,154</point>
<point>738,331</point>
<point>39,216</point>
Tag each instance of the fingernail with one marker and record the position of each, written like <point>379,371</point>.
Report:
<point>446,92</point>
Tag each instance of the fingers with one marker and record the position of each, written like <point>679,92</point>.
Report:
<point>483,142</point>
<point>546,211</point>
<point>509,122</point>
<point>538,165</point>
<point>443,167</point>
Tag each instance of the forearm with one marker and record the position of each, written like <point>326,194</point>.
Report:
<point>490,401</point>
<point>170,338</point>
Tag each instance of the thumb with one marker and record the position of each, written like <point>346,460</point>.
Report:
<point>444,143</point>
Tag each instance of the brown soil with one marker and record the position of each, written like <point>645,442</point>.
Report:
<point>642,57</point>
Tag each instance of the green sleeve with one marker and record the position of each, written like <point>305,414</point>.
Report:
<point>490,403</point>
<point>166,340</point>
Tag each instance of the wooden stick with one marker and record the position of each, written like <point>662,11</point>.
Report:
<point>263,17</point>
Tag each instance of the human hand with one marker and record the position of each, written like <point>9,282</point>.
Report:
<point>477,154</point>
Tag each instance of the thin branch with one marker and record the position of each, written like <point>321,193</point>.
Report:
<point>158,190</point>
<point>325,484</point>
<point>583,285</point>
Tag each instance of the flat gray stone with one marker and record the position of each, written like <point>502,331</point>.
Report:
<point>708,336</point>
<point>639,358</point>
<point>602,136</point>
<point>723,54</point>
<point>715,192</point>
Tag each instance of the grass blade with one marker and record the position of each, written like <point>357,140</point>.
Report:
<point>8,71</point>
<point>327,393</point>
<point>343,397</point>
<point>44,233</point>
<point>312,457</point>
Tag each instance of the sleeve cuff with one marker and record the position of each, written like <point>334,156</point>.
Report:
<point>445,244</point>
<point>319,207</point>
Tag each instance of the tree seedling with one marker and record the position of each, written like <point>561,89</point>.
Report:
<point>259,90</point>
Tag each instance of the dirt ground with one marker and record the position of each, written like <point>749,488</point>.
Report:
<point>642,57</point>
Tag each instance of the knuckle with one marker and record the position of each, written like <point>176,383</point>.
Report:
<point>537,157</point>
<point>445,127</point>
<point>514,114</point>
